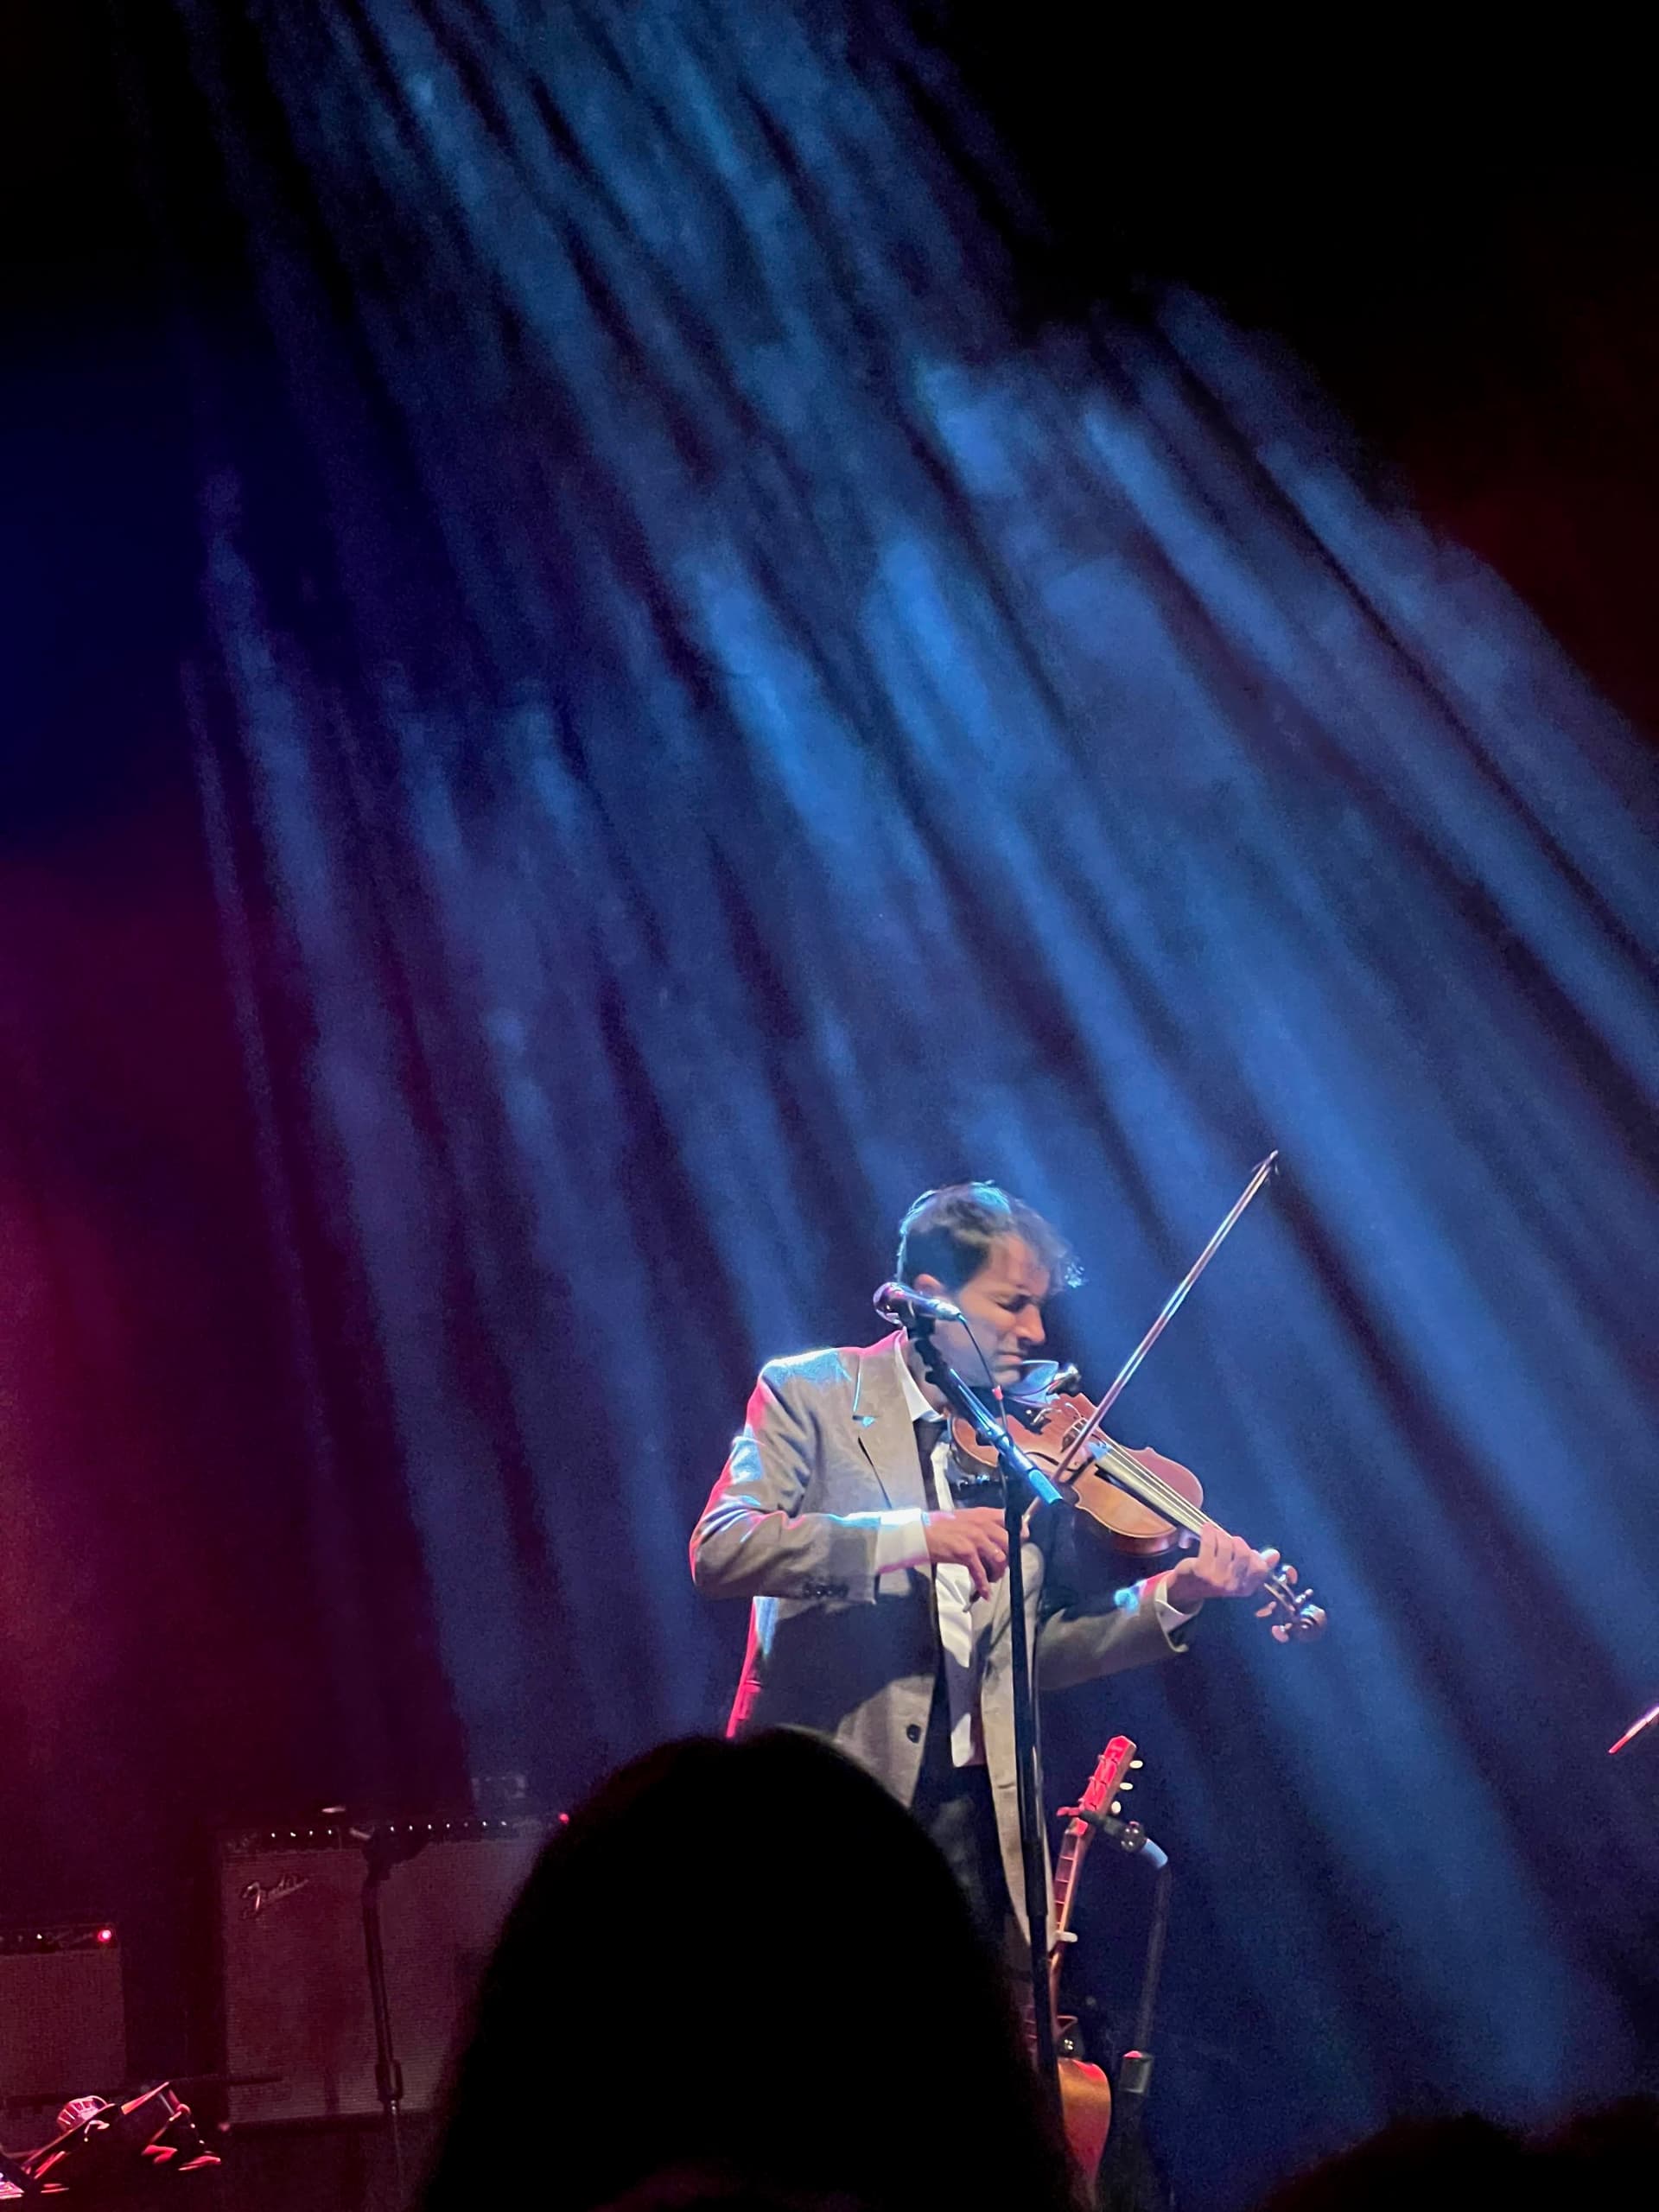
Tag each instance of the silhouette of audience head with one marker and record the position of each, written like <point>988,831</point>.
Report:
<point>1416,2165</point>
<point>743,1976</point>
<point>1607,2157</point>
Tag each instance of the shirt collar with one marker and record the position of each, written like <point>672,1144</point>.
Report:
<point>916,1405</point>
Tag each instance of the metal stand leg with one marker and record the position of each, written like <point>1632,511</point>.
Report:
<point>1023,1483</point>
<point>1131,2187</point>
<point>388,2074</point>
<point>384,1848</point>
<point>1031,1817</point>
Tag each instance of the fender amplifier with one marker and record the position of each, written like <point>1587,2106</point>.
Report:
<point>296,2003</point>
<point>62,2023</point>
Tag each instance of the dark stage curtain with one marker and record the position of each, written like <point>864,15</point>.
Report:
<point>702,721</point>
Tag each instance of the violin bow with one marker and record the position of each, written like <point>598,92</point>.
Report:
<point>1172,1306</point>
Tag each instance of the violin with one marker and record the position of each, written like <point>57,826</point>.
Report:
<point>1143,1501</point>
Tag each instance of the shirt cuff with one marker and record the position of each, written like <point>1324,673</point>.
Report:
<point>1169,1617</point>
<point>902,1540</point>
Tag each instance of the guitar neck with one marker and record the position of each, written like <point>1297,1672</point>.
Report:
<point>1073,1849</point>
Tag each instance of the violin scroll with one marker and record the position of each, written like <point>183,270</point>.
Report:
<point>1296,1618</point>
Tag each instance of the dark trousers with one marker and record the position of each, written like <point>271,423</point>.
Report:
<point>954,1804</point>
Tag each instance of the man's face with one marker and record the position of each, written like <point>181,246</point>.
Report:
<point>1003,1305</point>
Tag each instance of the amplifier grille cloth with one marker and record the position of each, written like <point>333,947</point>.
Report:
<point>62,2029</point>
<point>297,1993</point>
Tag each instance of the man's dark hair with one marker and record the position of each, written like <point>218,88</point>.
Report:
<point>949,1233</point>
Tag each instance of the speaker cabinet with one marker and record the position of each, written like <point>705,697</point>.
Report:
<point>295,1979</point>
<point>62,2023</point>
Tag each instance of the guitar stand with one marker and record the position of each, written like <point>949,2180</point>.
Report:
<point>1130,2184</point>
<point>1134,2070</point>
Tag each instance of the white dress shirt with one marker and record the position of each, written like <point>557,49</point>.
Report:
<point>901,1542</point>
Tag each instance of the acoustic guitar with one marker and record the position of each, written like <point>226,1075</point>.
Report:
<point>1085,2093</point>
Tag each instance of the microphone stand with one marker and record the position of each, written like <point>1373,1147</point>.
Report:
<point>1023,1483</point>
<point>383,1848</point>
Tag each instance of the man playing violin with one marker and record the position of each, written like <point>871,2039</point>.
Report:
<point>880,1606</point>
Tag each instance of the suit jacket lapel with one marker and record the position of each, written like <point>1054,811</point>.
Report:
<point>883,1427</point>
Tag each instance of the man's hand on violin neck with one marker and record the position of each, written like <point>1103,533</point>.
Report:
<point>973,1537</point>
<point>1222,1567</point>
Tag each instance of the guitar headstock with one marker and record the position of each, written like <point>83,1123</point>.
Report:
<point>1099,1801</point>
<point>1106,1781</point>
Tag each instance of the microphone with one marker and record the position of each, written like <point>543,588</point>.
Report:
<point>899,1302</point>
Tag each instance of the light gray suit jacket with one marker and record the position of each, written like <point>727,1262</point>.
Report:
<point>826,1447</point>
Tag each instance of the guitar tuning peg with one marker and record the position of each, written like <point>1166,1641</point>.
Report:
<point>1136,1765</point>
<point>1125,1785</point>
<point>1114,1808</point>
